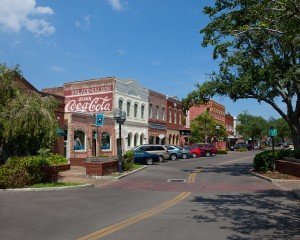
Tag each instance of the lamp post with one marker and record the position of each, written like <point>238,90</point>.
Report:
<point>217,133</point>
<point>120,117</point>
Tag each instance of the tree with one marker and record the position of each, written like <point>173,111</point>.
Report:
<point>27,120</point>
<point>205,126</point>
<point>257,43</point>
<point>251,127</point>
<point>283,131</point>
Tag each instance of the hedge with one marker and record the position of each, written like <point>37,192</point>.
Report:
<point>20,172</point>
<point>265,161</point>
<point>127,162</point>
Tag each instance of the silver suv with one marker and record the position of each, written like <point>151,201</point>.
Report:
<point>160,150</point>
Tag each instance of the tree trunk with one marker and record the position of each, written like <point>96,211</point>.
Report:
<point>295,133</point>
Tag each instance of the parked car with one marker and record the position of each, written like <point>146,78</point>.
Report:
<point>145,157</point>
<point>206,149</point>
<point>186,153</point>
<point>195,152</point>
<point>160,150</point>
<point>174,151</point>
<point>241,145</point>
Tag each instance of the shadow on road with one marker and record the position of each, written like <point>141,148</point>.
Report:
<point>238,169</point>
<point>271,214</point>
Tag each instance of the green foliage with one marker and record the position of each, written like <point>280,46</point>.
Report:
<point>242,149</point>
<point>205,125</point>
<point>257,46</point>
<point>22,171</point>
<point>251,126</point>
<point>222,151</point>
<point>265,160</point>
<point>56,159</point>
<point>127,163</point>
<point>283,130</point>
<point>27,119</point>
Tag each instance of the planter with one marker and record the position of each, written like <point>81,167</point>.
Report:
<point>51,172</point>
<point>288,167</point>
<point>101,166</point>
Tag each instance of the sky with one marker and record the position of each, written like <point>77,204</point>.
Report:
<point>155,42</point>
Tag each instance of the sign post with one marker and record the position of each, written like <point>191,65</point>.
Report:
<point>272,134</point>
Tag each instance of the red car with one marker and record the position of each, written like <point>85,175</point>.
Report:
<point>206,149</point>
<point>195,152</point>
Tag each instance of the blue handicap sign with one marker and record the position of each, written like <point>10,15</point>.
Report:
<point>99,119</point>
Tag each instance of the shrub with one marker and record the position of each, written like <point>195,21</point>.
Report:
<point>264,161</point>
<point>242,149</point>
<point>127,162</point>
<point>222,151</point>
<point>56,159</point>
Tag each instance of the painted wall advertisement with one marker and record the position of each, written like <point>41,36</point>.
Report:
<point>90,99</point>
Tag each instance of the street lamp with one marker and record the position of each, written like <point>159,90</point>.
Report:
<point>217,132</point>
<point>120,117</point>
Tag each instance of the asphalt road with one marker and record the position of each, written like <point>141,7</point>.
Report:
<point>209,198</point>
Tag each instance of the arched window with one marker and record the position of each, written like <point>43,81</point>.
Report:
<point>170,115</point>
<point>79,140</point>
<point>120,103</point>
<point>105,141</point>
<point>163,113</point>
<point>142,111</point>
<point>128,108</point>
<point>150,110</point>
<point>180,117</point>
<point>135,139</point>
<point>135,110</point>
<point>157,112</point>
<point>129,139</point>
<point>175,116</point>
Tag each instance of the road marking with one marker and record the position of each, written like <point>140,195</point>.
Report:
<point>137,218</point>
<point>223,163</point>
<point>153,211</point>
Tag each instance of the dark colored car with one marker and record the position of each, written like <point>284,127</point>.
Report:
<point>195,152</point>
<point>145,157</point>
<point>242,145</point>
<point>174,151</point>
<point>206,149</point>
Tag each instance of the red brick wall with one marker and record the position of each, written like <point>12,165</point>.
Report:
<point>290,168</point>
<point>174,104</point>
<point>101,168</point>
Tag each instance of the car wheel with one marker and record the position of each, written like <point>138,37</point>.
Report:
<point>194,155</point>
<point>149,161</point>
<point>161,158</point>
<point>207,154</point>
<point>184,156</point>
<point>173,157</point>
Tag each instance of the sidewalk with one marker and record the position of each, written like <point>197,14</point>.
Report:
<point>78,175</point>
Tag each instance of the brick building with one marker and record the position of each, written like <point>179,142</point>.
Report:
<point>157,118</point>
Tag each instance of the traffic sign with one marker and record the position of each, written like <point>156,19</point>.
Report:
<point>99,119</point>
<point>272,132</point>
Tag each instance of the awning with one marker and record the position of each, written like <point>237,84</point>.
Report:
<point>60,132</point>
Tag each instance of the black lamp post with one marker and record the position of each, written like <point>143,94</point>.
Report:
<point>120,117</point>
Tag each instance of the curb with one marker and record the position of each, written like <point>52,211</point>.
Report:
<point>117,177</point>
<point>47,189</point>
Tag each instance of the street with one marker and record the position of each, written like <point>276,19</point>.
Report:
<point>201,198</point>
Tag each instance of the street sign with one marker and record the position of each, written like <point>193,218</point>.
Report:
<point>272,132</point>
<point>99,119</point>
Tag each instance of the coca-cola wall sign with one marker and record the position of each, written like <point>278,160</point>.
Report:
<point>89,99</point>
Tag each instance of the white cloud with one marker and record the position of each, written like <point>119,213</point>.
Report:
<point>57,69</point>
<point>116,4</point>
<point>85,23</point>
<point>18,14</point>
<point>120,52</point>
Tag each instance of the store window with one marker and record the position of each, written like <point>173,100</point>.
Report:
<point>136,138</point>
<point>105,141</point>
<point>79,140</point>
<point>129,139</point>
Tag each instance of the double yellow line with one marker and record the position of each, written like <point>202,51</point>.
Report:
<point>141,216</point>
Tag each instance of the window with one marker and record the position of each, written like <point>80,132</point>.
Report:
<point>175,116</point>
<point>79,140</point>
<point>129,139</point>
<point>135,139</point>
<point>128,108</point>
<point>163,113</point>
<point>142,111</point>
<point>120,103</point>
<point>105,141</point>
<point>150,110</point>
<point>141,139</point>
<point>135,110</point>
<point>180,117</point>
<point>157,112</point>
<point>170,115</point>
